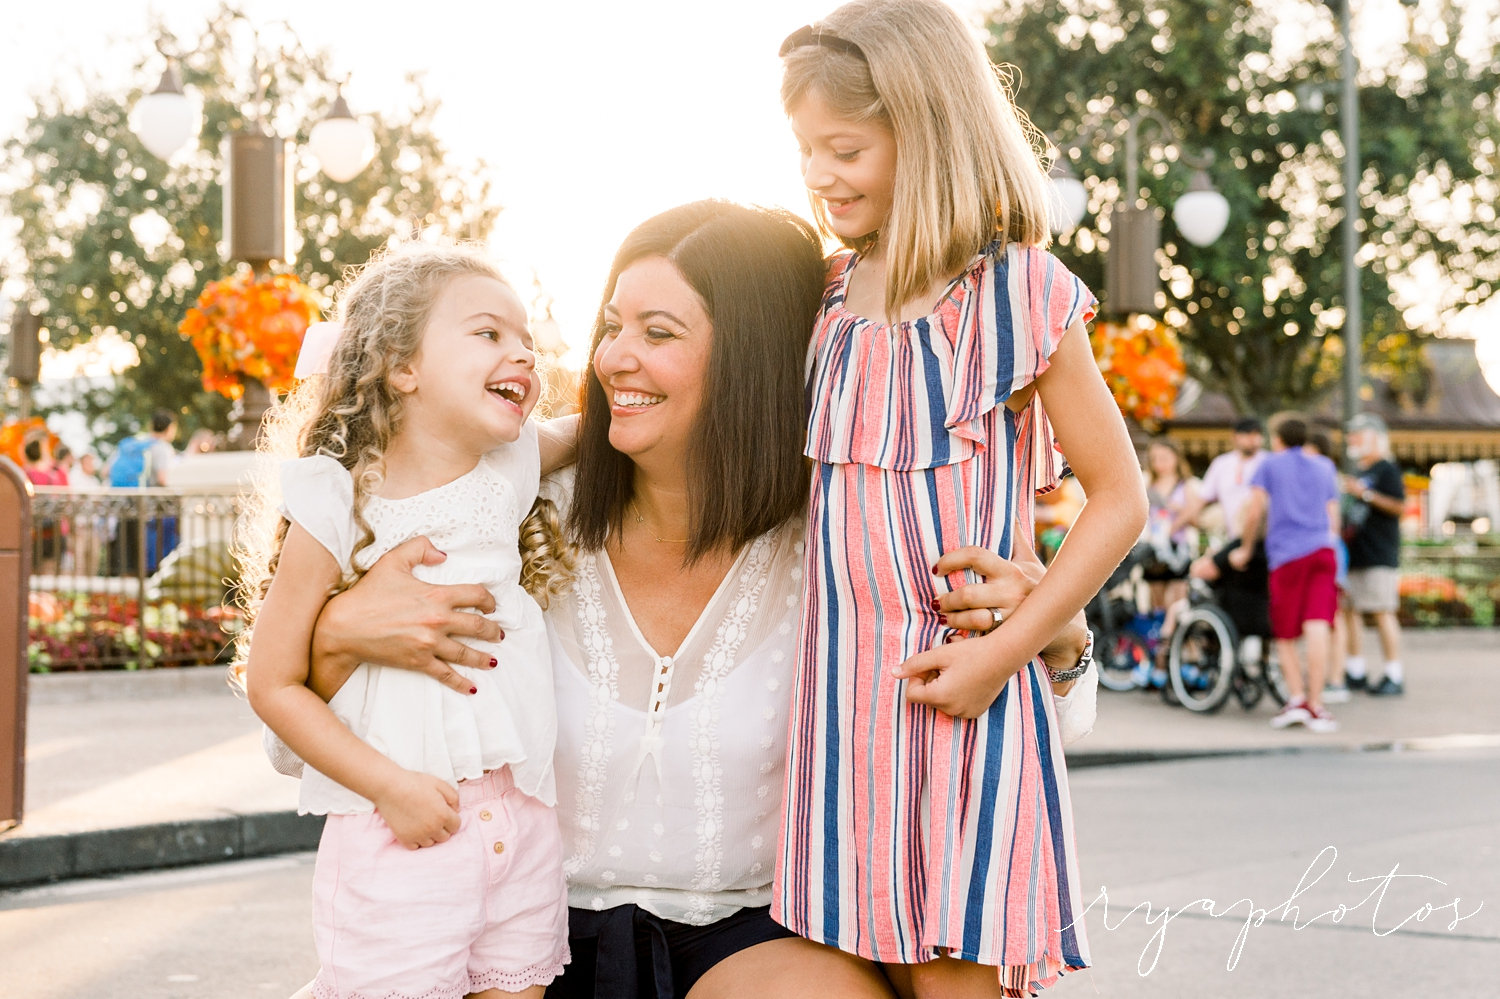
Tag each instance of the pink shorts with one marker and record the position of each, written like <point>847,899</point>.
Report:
<point>1303,590</point>
<point>486,909</point>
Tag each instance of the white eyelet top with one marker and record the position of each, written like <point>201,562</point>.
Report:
<point>417,723</point>
<point>671,766</point>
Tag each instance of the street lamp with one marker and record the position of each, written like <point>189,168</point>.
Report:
<point>1349,127</point>
<point>1131,275</point>
<point>165,119</point>
<point>25,353</point>
<point>257,182</point>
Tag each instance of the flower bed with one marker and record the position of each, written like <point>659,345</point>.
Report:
<point>84,631</point>
<point>1443,585</point>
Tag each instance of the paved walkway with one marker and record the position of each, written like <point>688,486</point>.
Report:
<point>130,771</point>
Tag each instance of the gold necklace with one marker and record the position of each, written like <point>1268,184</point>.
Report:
<point>636,512</point>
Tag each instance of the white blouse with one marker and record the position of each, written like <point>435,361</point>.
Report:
<point>671,766</point>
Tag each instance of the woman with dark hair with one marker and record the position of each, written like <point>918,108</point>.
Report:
<point>674,648</point>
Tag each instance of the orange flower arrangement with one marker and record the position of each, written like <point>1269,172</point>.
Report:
<point>1142,365</point>
<point>15,433</point>
<point>246,327</point>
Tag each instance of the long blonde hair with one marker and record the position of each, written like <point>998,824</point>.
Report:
<point>968,165</point>
<point>351,414</point>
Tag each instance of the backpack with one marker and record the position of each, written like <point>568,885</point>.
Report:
<point>129,470</point>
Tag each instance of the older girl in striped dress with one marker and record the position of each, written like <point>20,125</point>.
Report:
<point>927,821</point>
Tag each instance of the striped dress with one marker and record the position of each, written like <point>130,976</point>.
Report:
<point>909,834</point>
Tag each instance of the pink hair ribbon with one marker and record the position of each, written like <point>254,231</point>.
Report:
<point>317,347</point>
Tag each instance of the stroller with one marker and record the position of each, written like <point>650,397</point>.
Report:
<point>1125,637</point>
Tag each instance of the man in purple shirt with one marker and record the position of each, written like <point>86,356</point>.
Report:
<point>1294,497</point>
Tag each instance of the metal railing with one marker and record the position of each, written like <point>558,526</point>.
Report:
<point>136,578</point>
<point>131,578</point>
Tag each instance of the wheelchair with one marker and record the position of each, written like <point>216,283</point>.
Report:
<point>1220,648</point>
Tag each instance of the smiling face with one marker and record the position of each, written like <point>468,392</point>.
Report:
<point>1163,461</point>
<point>849,166</point>
<point>652,361</point>
<point>473,381</point>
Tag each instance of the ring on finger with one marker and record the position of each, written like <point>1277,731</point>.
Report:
<point>998,617</point>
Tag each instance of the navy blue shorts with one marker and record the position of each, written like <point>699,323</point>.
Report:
<point>626,951</point>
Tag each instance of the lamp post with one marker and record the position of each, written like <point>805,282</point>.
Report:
<point>1353,307</point>
<point>25,353</point>
<point>1131,275</point>
<point>1349,135</point>
<point>258,195</point>
<point>257,178</point>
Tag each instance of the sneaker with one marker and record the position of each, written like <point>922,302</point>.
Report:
<point>1159,679</point>
<point>1140,676</point>
<point>1295,713</point>
<point>1335,694</point>
<point>1356,682</point>
<point>1251,649</point>
<point>1387,688</point>
<point>1320,721</point>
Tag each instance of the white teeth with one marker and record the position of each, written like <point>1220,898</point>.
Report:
<point>637,399</point>
<point>514,391</point>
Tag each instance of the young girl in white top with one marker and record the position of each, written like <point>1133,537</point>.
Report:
<point>927,823</point>
<point>419,427</point>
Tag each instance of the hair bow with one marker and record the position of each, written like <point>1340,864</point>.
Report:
<point>317,347</point>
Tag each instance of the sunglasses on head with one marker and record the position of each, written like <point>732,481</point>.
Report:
<point>809,35</point>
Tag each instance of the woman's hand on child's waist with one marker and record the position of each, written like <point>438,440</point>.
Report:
<point>963,679</point>
<point>392,618</point>
<point>1004,585</point>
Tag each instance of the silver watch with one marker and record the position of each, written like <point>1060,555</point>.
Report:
<point>1082,666</point>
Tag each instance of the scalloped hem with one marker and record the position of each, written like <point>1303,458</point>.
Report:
<point>505,981</point>
<point>517,981</point>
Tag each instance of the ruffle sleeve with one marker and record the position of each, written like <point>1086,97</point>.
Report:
<point>917,394</point>
<point>1024,301</point>
<point>317,495</point>
<point>519,463</point>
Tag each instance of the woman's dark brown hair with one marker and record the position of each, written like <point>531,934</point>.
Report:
<point>759,274</point>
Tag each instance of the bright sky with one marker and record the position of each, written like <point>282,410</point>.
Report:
<point>593,114</point>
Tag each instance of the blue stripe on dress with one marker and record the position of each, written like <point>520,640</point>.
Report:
<point>991,768</point>
<point>1005,363</point>
<point>831,743</point>
<point>932,370</point>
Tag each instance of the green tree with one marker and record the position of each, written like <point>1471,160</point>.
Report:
<point>115,241</point>
<point>1260,311</point>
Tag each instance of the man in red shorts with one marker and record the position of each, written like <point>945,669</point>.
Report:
<point>1295,497</point>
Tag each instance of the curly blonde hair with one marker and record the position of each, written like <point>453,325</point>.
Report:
<point>351,414</point>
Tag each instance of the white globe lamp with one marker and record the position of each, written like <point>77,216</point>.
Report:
<point>343,144</point>
<point>1202,213</point>
<point>1067,198</point>
<point>166,119</point>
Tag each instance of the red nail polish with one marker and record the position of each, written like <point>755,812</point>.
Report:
<point>934,569</point>
<point>473,690</point>
<point>502,633</point>
<point>935,604</point>
<point>942,619</point>
<point>494,662</point>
